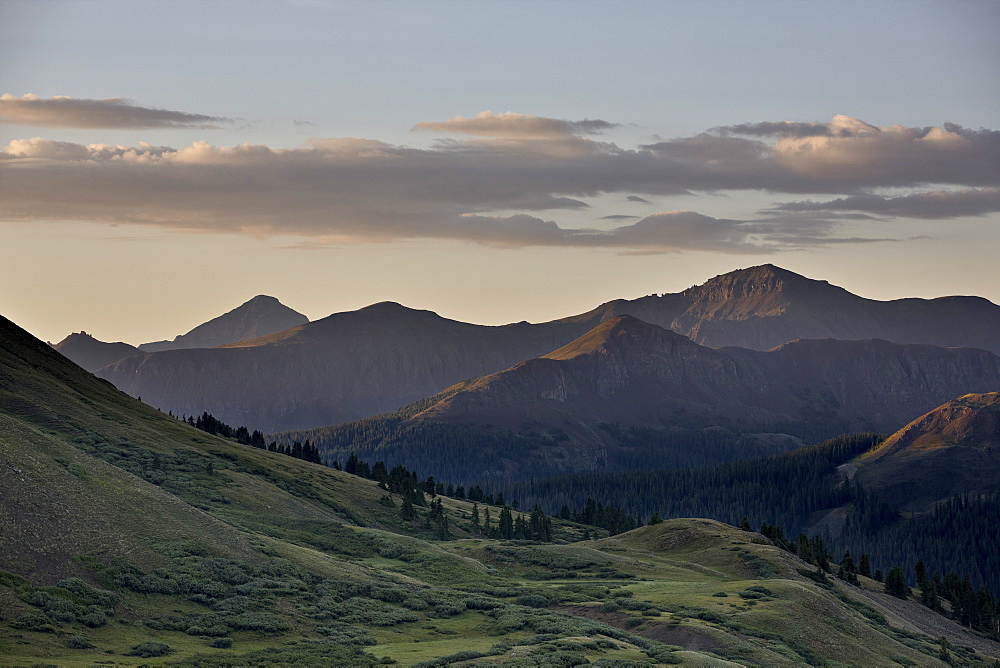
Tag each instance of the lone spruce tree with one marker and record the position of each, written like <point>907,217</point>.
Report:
<point>895,583</point>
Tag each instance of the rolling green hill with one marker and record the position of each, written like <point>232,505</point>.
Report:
<point>134,539</point>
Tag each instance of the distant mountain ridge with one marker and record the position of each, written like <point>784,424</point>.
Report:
<point>762,307</point>
<point>259,316</point>
<point>343,367</point>
<point>92,354</point>
<point>627,374</point>
<point>362,363</point>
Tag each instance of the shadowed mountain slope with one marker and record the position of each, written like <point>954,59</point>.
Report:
<point>628,387</point>
<point>343,367</point>
<point>92,354</point>
<point>953,449</point>
<point>361,363</point>
<point>260,316</point>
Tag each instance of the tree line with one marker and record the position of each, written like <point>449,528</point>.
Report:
<point>975,608</point>
<point>212,425</point>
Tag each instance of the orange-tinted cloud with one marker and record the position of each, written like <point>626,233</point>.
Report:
<point>68,112</point>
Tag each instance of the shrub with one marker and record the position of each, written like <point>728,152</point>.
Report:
<point>149,649</point>
<point>221,643</point>
<point>79,642</point>
<point>214,630</point>
<point>34,621</point>
<point>532,601</point>
<point>262,622</point>
<point>448,609</point>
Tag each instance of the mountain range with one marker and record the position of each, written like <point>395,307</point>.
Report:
<point>617,397</point>
<point>132,536</point>
<point>361,363</point>
<point>259,316</point>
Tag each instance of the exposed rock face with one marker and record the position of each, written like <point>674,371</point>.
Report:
<point>629,372</point>
<point>260,316</point>
<point>357,364</point>
<point>92,354</point>
<point>763,307</point>
<point>953,449</point>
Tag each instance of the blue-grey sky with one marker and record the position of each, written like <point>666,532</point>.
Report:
<point>492,161</point>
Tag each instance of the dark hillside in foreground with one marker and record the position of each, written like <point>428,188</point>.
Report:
<point>362,363</point>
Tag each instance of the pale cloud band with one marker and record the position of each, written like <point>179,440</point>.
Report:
<point>355,190</point>
<point>68,112</point>
<point>937,204</point>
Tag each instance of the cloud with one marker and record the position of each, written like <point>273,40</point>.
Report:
<point>840,126</point>
<point>670,231</point>
<point>349,190</point>
<point>517,126</point>
<point>938,204</point>
<point>636,198</point>
<point>68,112</point>
<point>618,217</point>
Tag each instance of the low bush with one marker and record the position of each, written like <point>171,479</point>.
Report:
<point>79,642</point>
<point>149,649</point>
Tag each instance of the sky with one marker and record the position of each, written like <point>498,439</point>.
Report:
<point>163,162</point>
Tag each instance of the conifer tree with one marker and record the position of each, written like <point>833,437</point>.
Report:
<point>865,567</point>
<point>895,583</point>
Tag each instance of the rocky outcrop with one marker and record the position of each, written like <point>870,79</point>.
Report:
<point>260,316</point>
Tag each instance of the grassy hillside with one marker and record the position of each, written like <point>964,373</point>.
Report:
<point>130,538</point>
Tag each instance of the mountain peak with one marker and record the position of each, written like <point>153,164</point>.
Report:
<point>262,299</point>
<point>620,331</point>
<point>259,316</point>
<point>764,278</point>
<point>74,336</point>
<point>386,306</point>
<point>91,353</point>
